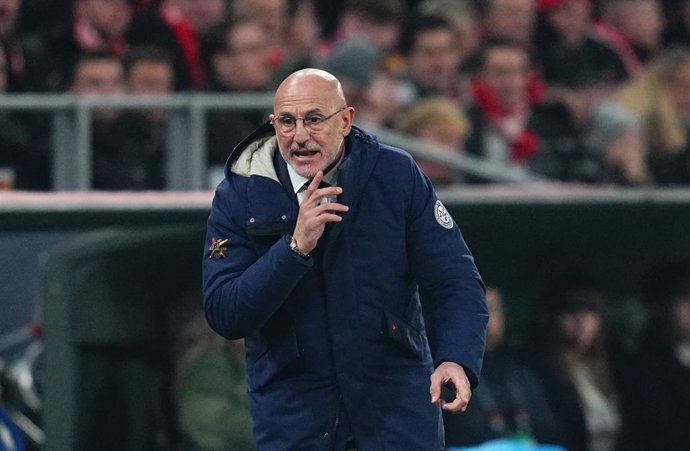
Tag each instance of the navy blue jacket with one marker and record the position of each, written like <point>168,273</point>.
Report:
<point>339,337</point>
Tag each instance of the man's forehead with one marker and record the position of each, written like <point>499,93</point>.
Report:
<point>303,102</point>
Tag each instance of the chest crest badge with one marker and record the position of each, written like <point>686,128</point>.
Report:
<point>218,248</point>
<point>442,216</point>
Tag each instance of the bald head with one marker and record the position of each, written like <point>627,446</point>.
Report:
<point>311,83</point>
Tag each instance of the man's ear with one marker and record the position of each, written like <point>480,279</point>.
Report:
<point>348,118</point>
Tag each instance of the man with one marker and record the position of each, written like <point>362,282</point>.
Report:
<point>132,155</point>
<point>324,282</point>
<point>375,20</point>
<point>178,26</point>
<point>509,19</point>
<point>236,61</point>
<point>513,123</point>
<point>433,59</point>
<point>98,26</point>
<point>99,74</point>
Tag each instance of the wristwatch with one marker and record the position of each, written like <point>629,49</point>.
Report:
<point>295,249</point>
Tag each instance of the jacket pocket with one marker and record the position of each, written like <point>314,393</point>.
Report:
<point>402,333</point>
<point>270,363</point>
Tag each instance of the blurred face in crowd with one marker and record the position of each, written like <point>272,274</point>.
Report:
<point>202,14</point>
<point>571,20</point>
<point>244,65</point>
<point>511,19</point>
<point>642,22</point>
<point>271,15</point>
<point>304,94</point>
<point>434,59</point>
<point>578,329</point>
<point>383,35</point>
<point>150,77</point>
<point>109,17</point>
<point>98,76</point>
<point>303,30</point>
<point>9,9</point>
<point>506,71</point>
<point>383,100</point>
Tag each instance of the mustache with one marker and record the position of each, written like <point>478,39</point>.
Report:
<point>307,147</point>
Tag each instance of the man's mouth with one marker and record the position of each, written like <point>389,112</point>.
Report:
<point>304,153</point>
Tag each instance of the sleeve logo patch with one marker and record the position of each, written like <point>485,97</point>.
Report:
<point>218,248</point>
<point>442,216</point>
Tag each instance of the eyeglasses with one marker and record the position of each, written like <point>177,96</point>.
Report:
<point>313,123</point>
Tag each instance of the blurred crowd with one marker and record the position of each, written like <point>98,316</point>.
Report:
<point>586,375</point>
<point>583,381</point>
<point>584,91</point>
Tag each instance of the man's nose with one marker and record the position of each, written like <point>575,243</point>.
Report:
<point>301,132</point>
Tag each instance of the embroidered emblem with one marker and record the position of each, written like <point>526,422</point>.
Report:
<point>218,248</point>
<point>442,216</point>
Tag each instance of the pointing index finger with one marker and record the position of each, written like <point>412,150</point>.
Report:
<point>315,182</point>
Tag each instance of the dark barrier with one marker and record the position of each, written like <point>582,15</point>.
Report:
<point>107,302</point>
<point>106,291</point>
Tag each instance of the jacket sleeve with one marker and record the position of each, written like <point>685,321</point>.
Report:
<point>243,289</point>
<point>448,279</point>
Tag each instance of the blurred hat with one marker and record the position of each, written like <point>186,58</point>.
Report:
<point>355,59</point>
<point>609,121</point>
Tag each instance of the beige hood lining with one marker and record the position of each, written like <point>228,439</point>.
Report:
<point>257,159</point>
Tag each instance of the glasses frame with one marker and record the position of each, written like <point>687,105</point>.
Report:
<point>276,125</point>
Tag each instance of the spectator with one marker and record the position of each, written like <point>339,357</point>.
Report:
<point>27,61</point>
<point>433,59</point>
<point>235,60</point>
<point>209,388</point>
<point>134,156</point>
<point>616,136</point>
<point>442,123</point>
<point>633,28</point>
<point>511,124</point>
<point>660,98</point>
<point>661,388</point>
<point>578,368</point>
<point>99,26</point>
<point>386,98</point>
<point>99,74</point>
<point>464,16</point>
<point>235,57</point>
<point>178,25</point>
<point>272,15</point>
<point>379,21</point>
<point>296,44</point>
<point>567,53</point>
<point>510,402</point>
<point>509,19</point>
